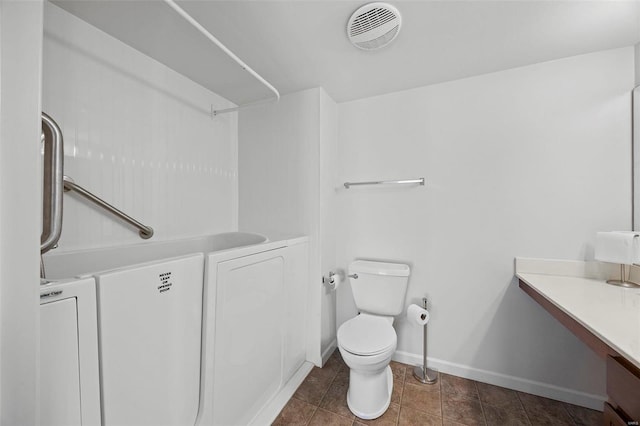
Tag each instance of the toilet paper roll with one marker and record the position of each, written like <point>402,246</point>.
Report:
<point>335,281</point>
<point>417,314</point>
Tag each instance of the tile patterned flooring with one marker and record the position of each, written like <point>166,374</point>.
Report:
<point>321,400</point>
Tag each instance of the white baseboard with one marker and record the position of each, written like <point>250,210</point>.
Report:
<point>326,353</point>
<point>269,412</point>
<point>546,390</point>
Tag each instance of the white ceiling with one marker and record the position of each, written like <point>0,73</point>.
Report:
<point>298,44</point>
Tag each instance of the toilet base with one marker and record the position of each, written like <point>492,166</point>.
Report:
<point>369,395</point>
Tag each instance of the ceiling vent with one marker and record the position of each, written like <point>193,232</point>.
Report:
<point>373,26</point>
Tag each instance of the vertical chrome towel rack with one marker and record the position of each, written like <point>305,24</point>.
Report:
<point>419,181</point>
<point>52,183</point>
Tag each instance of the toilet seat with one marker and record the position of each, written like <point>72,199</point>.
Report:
<point>367,335</point>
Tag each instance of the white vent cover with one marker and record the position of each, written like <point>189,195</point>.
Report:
<point>373,26</point>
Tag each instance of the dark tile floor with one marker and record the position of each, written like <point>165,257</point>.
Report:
<point>322,400</point>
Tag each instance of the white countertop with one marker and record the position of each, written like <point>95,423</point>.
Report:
<point>611,313</point>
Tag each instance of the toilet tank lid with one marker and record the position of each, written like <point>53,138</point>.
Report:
<point>379,268</point>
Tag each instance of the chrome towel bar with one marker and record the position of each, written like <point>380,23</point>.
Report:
<point>419,181</point>
<point>146,232</point>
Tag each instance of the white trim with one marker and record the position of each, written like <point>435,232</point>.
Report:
<point>20,210</point>
<point>329,351</point>
<point>546,390</point>
<point>269,412</point>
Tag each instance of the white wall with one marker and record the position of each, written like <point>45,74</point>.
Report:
<point>635,96</point>
<point>328,152</point>
<point>526,162</point>
<point>277,145</point>
<point>281,187</point>
<point>20,210</point>
<point>278,183</point>
<point>636,139</point>
<point>637,63</point>
<point>138,135</point>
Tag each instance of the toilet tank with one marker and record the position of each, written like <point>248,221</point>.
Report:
<point>380,288</point>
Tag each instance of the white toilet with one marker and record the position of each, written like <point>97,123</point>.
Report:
<point>368,341</point>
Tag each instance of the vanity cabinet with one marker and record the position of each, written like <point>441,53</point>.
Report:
<point>623,390</point>
<point>623,376</point>
<point>612,418</point>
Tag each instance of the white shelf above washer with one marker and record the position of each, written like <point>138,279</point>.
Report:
<point>168,34</point>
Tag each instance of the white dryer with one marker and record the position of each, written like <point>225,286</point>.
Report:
<point>69,371</point>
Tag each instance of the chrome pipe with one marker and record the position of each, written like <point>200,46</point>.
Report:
<point>145,232</point>
<point>53,184</point>
<point>419,181</point>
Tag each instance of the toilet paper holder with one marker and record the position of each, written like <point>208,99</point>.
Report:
<point>421,373</point>
<point>329,280</point>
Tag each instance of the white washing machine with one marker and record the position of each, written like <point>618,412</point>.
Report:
<point>123,347</point>
<point>69,371</point>
<point>150,323</point>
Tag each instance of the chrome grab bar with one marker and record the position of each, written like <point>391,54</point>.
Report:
<point>146,232</point>
<point>53,184</point>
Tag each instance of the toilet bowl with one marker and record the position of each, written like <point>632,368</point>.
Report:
<point>367,343</point>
